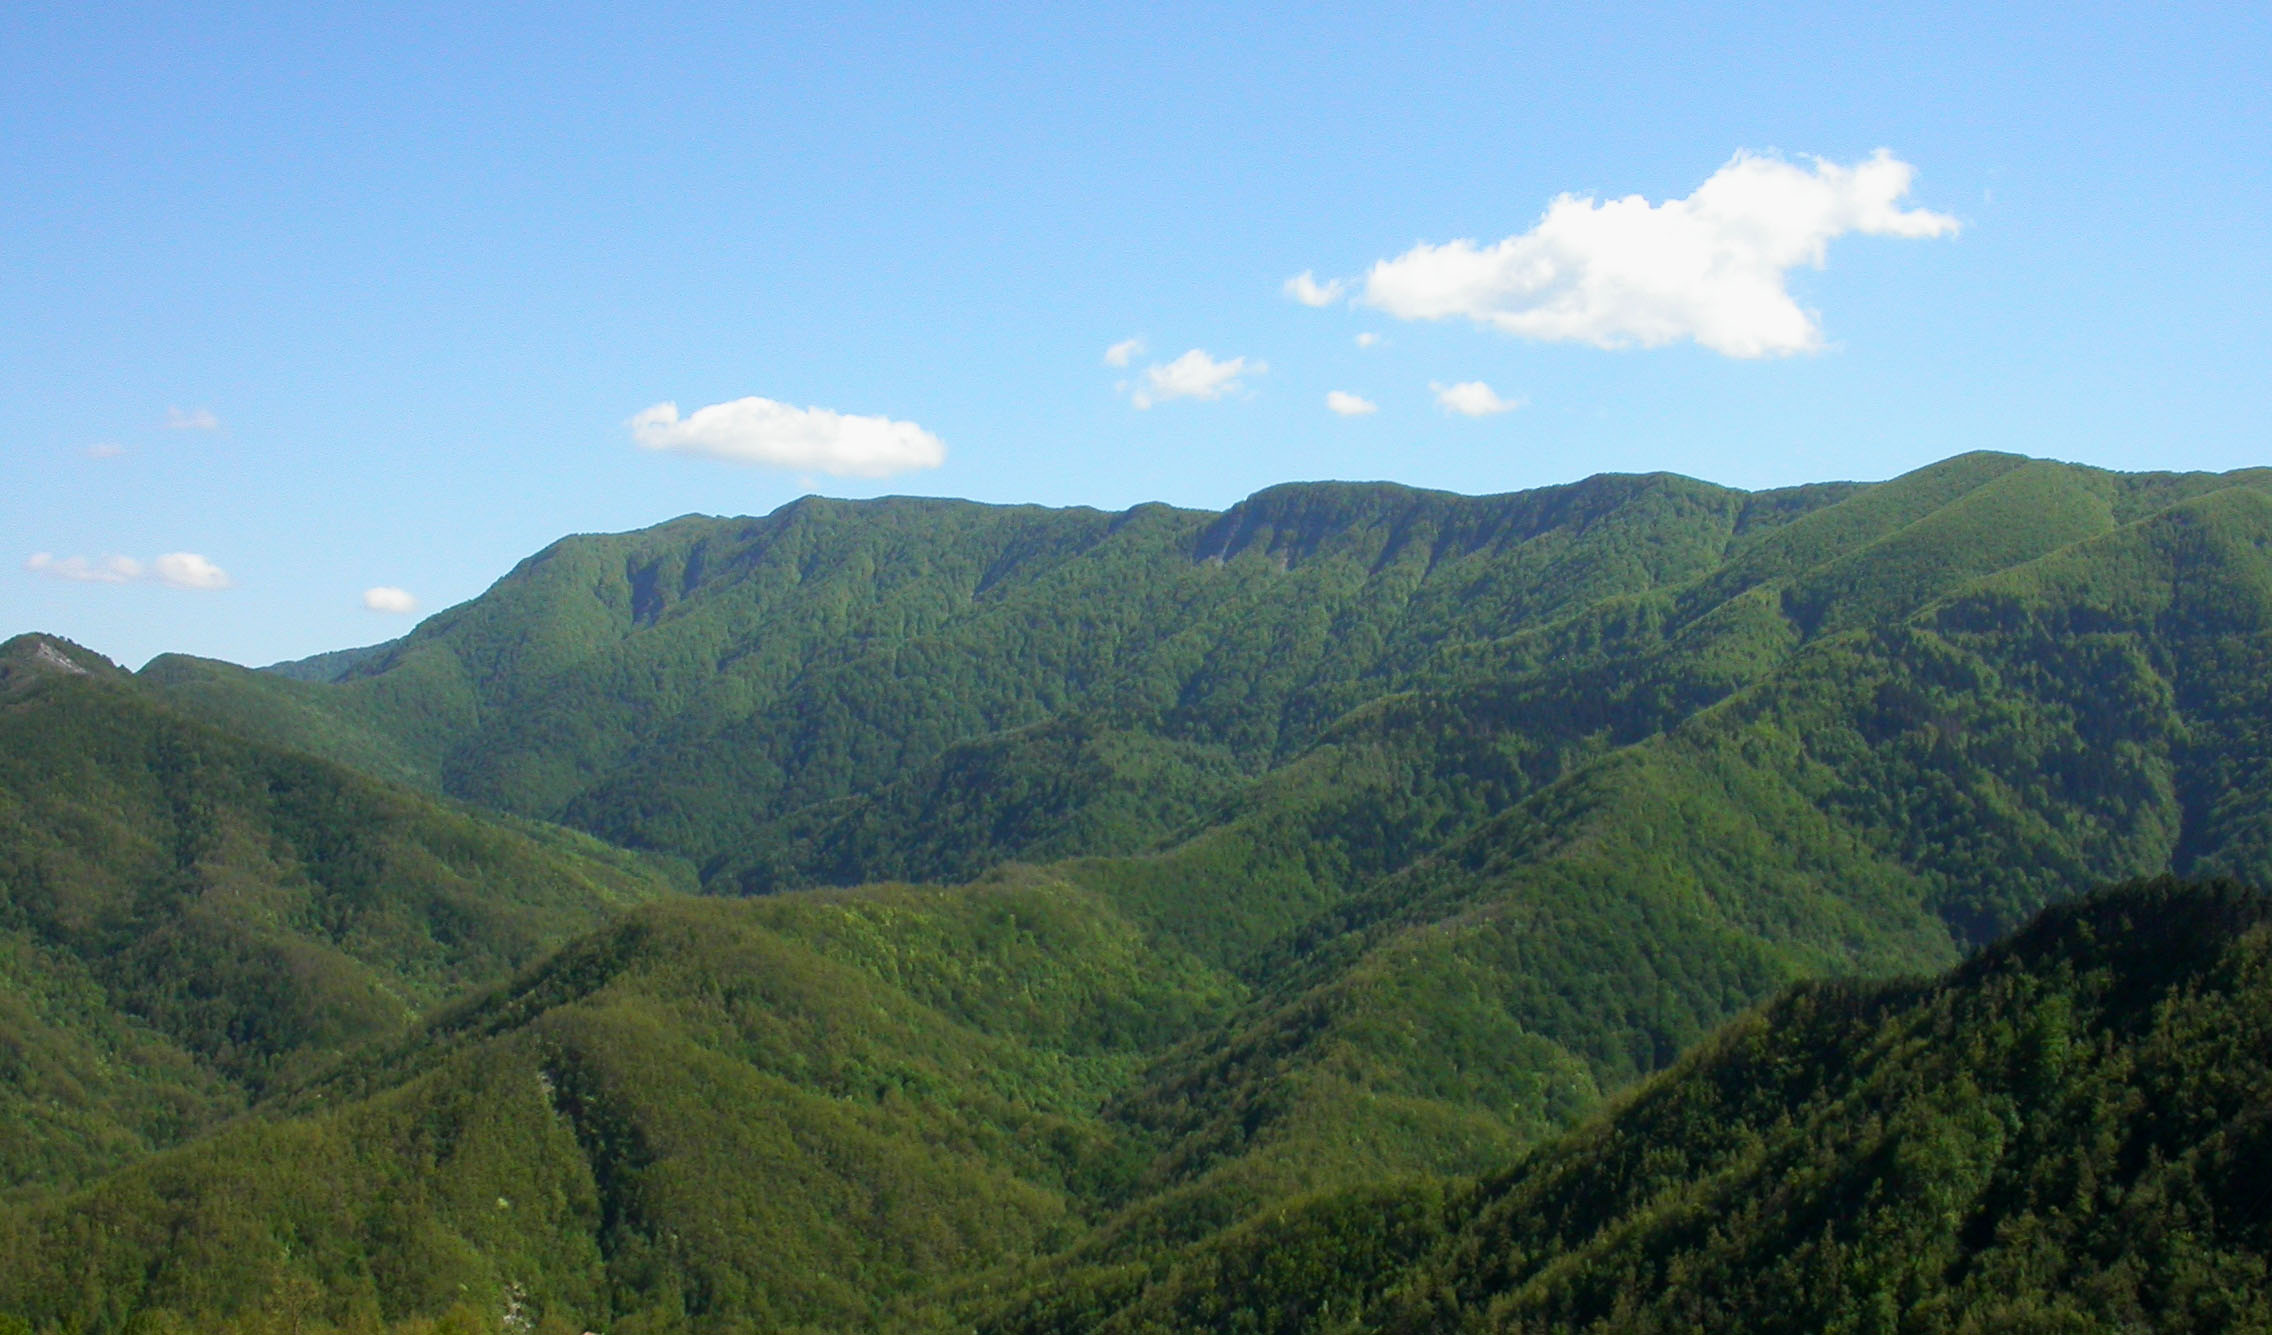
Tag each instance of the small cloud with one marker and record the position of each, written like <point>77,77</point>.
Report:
<point>1712,268</point>
<point>1304,288</point>
<point>387,598</point>
<point>108,570</point>
<point>1368,339</point>
<point>188,570</point>
<point>1121,353</point>
<point>104,449</point>
<point>1349,405</point>
<point>1194,375</point>
<point>197,419</point>
<point>819,440</point>
<point>1472,398</point>
<point>176,570</point>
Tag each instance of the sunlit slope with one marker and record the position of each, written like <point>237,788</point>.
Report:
<point>1606,666</point>
<point>1881,802</point>
<point>187,918</point>
<point>768,1114</point>
<point>1883,727</point>
<point>869,1110</point>
<point>1410,891</point>
<point>683,686</point>
<point>789,700</point>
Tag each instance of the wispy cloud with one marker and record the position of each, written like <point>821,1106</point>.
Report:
<point>393,601</point>
<point>816,440</point>
<point>1123,352</point>
<point>105,570</point>
<point>1304,288</point>
<point>1349,405</point>
<point>1194,375</point>
<point>1472,398</point>
<point>1368,339</point>
<point>104,449</point>
<point>193,419</point>
<point>1627,273</point>
<point>177,570</point>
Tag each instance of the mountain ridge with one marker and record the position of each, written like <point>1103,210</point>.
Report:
<point>1137,874</point>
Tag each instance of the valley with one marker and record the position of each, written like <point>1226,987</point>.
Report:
<point>1637,904</point>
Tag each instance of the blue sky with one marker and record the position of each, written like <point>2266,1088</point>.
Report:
<point>400,277</point>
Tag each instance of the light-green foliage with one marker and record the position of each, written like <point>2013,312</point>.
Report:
<point>773,1112</point>
<point>1305,862</point>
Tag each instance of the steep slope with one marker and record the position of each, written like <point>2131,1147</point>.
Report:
<point>867,1110</point>
<point>1431,820</point>
<point>187,918</point>
<point>1880,801</point>
<point>764,1114</point>
<point>682,687</point>
<point>2070,1132</point>
<point>776,698</point>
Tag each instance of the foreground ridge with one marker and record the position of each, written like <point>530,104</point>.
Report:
<point>2071,1132</point>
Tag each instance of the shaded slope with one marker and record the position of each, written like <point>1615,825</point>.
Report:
<point>187,918</point>
<point>2069,1132</point>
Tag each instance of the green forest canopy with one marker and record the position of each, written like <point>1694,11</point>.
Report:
<point>1340,848</point>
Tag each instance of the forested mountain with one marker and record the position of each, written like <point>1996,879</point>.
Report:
<point>1084,891</point>
<point>2071,1132</point>
<point>770,1114</point>
<point>192,919</point>
<point>675,687</point>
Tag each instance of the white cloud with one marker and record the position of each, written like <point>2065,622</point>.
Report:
<point>816,440</point>
<point>1304,288</point>
<point>196,419</point>
<point>104,449</point>
<point>108,570</point>
<point>1194,375</point>
<point>1628,273</point>
<point>1349,405</point>
<point>188,570</point>
<point>178,570</point>
<point>387,598</point>
<point>1121,353</point>
<point>1368,339</point>
<point>1472,398</point>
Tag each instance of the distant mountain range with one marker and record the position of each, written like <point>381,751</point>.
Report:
<point>917,914</point>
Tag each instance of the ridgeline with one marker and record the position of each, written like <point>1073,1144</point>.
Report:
<point>924,915</point>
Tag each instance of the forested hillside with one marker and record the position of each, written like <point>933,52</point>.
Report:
<point>675,687</point>
<point>191,920</point>
<point>763,1114</point>
<point>2071,1132</point>
<point>1089,896</point>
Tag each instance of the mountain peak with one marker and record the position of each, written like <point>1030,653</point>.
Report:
<point>38,657</point>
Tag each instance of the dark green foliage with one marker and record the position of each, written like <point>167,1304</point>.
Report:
<point>1053,790</point>
<point>1316,858</point>
<point>2070,1132</point>
<point>683,687</point>
<point>338,665</point>
<point>187,918</point>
